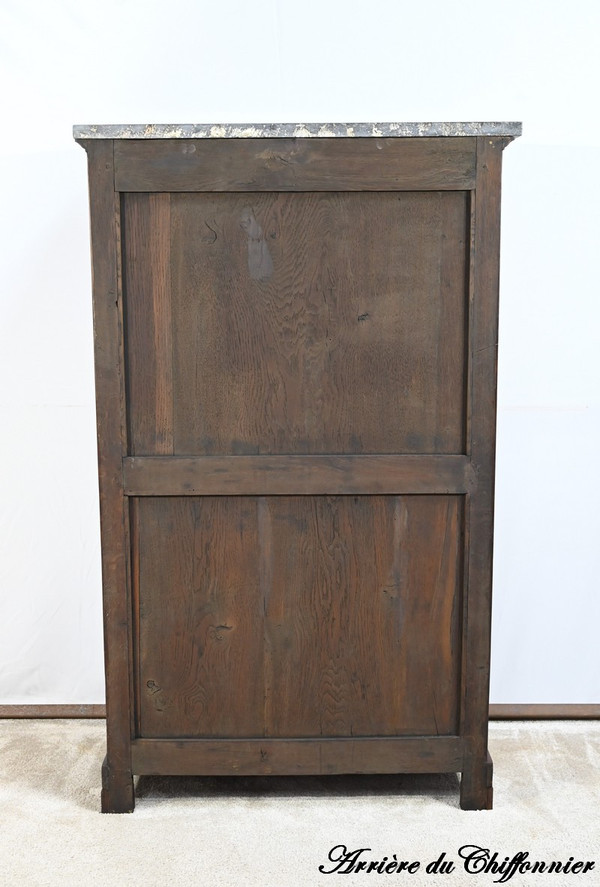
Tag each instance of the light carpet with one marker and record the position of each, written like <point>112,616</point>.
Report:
<point>278,831</point>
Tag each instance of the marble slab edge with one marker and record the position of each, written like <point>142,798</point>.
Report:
<point>293,130</point>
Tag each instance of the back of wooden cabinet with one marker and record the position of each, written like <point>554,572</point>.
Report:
<point>296,346</point>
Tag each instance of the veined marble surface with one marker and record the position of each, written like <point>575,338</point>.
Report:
<point>292,130</point>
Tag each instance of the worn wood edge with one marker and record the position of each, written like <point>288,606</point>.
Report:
<point>568,711</point>
<point>118,793</point>
<point>476,785</point>
<point>221,757</point>
<point>296,475</point>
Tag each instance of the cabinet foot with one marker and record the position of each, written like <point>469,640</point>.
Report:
<point>476,791</point>
<point>117,790</point>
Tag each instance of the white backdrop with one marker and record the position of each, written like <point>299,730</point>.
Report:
<point>125,61</point>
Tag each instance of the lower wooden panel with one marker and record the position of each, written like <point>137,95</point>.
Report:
<point>299,616</point>
<point>423,754</point>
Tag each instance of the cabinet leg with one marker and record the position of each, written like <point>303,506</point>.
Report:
<point>476,792</point>
<point>117,790</point>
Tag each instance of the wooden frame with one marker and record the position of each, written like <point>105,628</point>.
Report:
<point>128,476</point>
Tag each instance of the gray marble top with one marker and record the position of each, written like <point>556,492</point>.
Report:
<point>292,130</point>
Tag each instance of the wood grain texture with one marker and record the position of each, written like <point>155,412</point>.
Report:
<point>201,625</point>
<point>380,164</point>
<point>147,290</point>
<point>350,585</point>
<point>319,295</point>
<point>299,616</point>
<point>295,475</point>
<point>423,754</point>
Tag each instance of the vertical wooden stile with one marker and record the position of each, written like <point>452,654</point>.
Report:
<point>476,790</point>
<point>117,783</point>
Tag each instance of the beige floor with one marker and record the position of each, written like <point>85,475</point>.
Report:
<point>278,832</point>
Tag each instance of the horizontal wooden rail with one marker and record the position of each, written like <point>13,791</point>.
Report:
<point>410,754</point>
<point>295,475</point>
<point>295,164</point>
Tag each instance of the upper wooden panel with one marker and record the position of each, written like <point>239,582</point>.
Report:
<point>375,164</point>
<point>296,323</point>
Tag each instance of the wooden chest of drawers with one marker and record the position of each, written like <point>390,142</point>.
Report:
<point>295,340</point>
